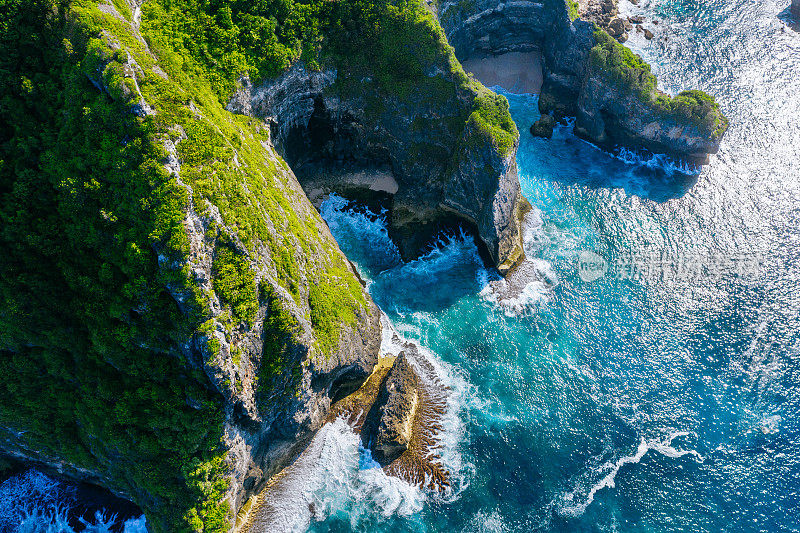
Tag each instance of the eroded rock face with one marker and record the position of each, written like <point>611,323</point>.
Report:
<point>609,115</point>
<point>443,176</point>
<point>399,399</point>
<point>494,26</point>
<point>606,113</point>
<point>544,126</point>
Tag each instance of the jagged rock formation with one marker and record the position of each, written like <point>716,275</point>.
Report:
<point>609,90</point>
<point>431,140</point>
<point>398,402</point>
<point>398,414</point>
<point>175,314</point>
<point>544,126</point>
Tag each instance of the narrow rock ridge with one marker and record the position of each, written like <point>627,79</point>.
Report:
<point>608,112</point>
<point>397,412</point>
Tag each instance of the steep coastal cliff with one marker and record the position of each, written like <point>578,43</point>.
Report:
<point>588,75</point>
<point>175,315</point>
<point>176,318</point>
<point>448,143</point>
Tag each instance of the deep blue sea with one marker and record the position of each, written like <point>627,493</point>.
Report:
<point>662,396</point>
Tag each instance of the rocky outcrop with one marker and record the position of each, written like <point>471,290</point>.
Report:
<point>544,126</point>
<point>192,318</point>
<point>601,12</point>
<point>613,97</point>
<point>398,413</point>
<point>447,167</point>
<point>398,402</point>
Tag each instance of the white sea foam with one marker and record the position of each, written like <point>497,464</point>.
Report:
<point>32,502</point>
<point>630,157</point>
<point>524,290</point>
<point>336,474</point>
<point>367,229</point>
<point>457,391</point>
<point>575,503</point>
<point>660,161</point>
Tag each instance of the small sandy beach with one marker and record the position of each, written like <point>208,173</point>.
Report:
<point>516,72</point>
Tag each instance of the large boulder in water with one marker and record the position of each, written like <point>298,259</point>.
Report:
<point>544,126</point>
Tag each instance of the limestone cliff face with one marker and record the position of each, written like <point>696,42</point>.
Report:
<point>187,317</point>
<point>494,26</point>
<point>448,168</point>
<point>610,115</point>
<point>614,104</point>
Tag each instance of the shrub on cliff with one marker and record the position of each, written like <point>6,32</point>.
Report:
<point>629,70</point>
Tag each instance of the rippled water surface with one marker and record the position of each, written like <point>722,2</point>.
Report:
<point>662,396</point>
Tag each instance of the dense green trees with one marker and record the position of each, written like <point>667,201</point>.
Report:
<point>88,367</point>
<point>94,369</point>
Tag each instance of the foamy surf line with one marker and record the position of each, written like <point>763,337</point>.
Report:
<point>335,475</point>
<point>32,502</point>
<point>663,162</point>
<point>569,508</point>
<point>530,283</point>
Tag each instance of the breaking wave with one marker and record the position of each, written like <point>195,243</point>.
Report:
<point>32,502</point>
<point>575,503</point>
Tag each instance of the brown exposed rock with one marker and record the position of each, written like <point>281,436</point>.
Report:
<point>544,126</point>
<point>616,27</point>
<point>398,401</point>
<point>648,34</point>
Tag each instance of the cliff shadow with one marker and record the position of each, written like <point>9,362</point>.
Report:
<point>655,177</point>
<point>569,160</point>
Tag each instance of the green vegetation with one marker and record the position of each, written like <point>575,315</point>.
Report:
<point>491,117</point>
<point>622,65</point>
<point>87,329</point>
<point>97,301</point>
<point>572,9</point>
<point>235,284</point>
<point>280,330</point>
<point>334,300</point>
<point>631,71</point>
<point>388,45</point>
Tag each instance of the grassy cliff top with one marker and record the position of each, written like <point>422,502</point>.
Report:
<point>97,299</point>
<point>632,72</point>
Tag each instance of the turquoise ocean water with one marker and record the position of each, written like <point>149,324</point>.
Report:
<point>663,396</point>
